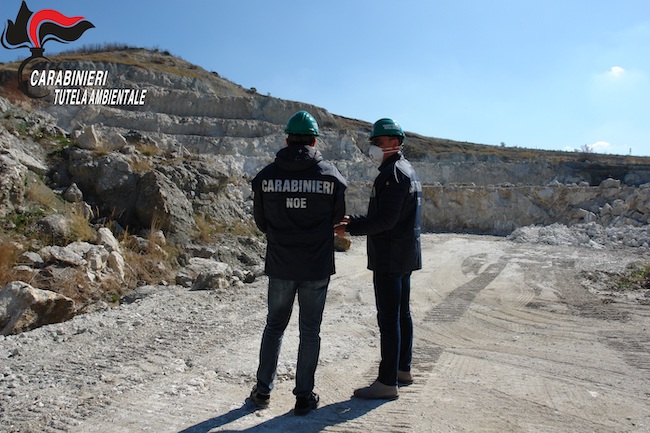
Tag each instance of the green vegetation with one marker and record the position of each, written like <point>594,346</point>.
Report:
<point>637,277</point>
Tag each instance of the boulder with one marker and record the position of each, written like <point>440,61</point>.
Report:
<point>56,227</point>
<point>107,181</point>
<point>88,139</point>
<point>202,274</point>
<point>23,308</point>
<point>30,258</point>
<point>610,183</point>
<point>25,152</point>
<point>117,264</point>
<point>105,237</point>
<point>73,194</point>
<point>63,255</point>
<point>160,203</point>
<point>211,281</point>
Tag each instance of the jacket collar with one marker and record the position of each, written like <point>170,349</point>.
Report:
<point>295,158</point>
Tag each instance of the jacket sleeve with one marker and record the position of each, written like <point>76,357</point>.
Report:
<point>339,204</point>
<point>389,208</point>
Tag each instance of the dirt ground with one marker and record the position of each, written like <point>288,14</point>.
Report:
<point>507,339</point>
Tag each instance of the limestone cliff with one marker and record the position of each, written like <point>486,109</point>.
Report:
<point>209,136</point>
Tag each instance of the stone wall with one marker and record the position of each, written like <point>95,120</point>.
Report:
<point>499,210</point>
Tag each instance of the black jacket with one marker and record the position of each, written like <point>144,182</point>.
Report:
<point>297,200</point>
<point>393,220</point>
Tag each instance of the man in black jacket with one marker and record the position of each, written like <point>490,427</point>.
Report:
<point>297,200</point>
<point>393,229</point>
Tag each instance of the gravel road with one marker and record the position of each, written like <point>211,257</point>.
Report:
<point>507,339</point>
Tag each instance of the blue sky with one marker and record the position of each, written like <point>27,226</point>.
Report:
<point>543,74</point>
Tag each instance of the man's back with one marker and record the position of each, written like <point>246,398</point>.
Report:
<point>298,198</point>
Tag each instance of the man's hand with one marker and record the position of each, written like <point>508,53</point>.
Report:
<point>339,228</point>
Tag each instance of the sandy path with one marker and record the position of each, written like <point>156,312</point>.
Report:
<point>507,340</point>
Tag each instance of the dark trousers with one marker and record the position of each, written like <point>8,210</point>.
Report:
<point>392,297</point>
<point>311,302</point>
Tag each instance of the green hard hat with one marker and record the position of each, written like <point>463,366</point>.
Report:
<point>302,123</point>
<point>386,127</point>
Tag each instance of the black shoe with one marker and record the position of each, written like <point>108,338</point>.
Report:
<point>304,405</point>
<point>260,400</point>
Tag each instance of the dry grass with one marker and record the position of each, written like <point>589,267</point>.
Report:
<point>41,194</point>
<point>141,165</point>
<point>243,228</point>
<point>150,59</point>
<point>148,149</point>
<point>143,268</point>
<point>42,200</point>
<point>80,228</point>
<point>208,230</point>
<point>151,263</point>
<point>9,253</point>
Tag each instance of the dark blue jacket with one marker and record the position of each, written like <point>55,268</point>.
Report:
<point>393,220</point>
<point>297,200</point>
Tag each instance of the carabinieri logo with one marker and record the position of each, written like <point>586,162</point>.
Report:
<point>32,30</point>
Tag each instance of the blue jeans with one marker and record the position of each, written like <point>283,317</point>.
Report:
<point>311,302</point>
<point>392,296</point>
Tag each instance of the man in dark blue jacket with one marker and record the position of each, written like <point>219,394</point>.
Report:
<point>297,200</point>
<point>393,229</point>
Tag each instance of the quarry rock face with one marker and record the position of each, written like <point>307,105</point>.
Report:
<point>195,144</point>
<point>190,152</point>
<point>500,210</point>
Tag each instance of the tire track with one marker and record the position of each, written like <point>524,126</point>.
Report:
<point>452,308</point>
<point>635,347</point>
<point>396,417</point>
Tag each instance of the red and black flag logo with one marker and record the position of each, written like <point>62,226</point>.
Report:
<point>32,30</point>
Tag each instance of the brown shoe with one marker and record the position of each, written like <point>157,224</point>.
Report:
<point>404,378</point>
<point>377,391</point>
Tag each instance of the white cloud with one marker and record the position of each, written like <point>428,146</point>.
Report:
<point>600,146</point>
<point>615,72</point>
<point>621,86</point>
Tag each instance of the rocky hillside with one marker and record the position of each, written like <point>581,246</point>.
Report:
<point>194,120</point>
<point>97,199</point>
